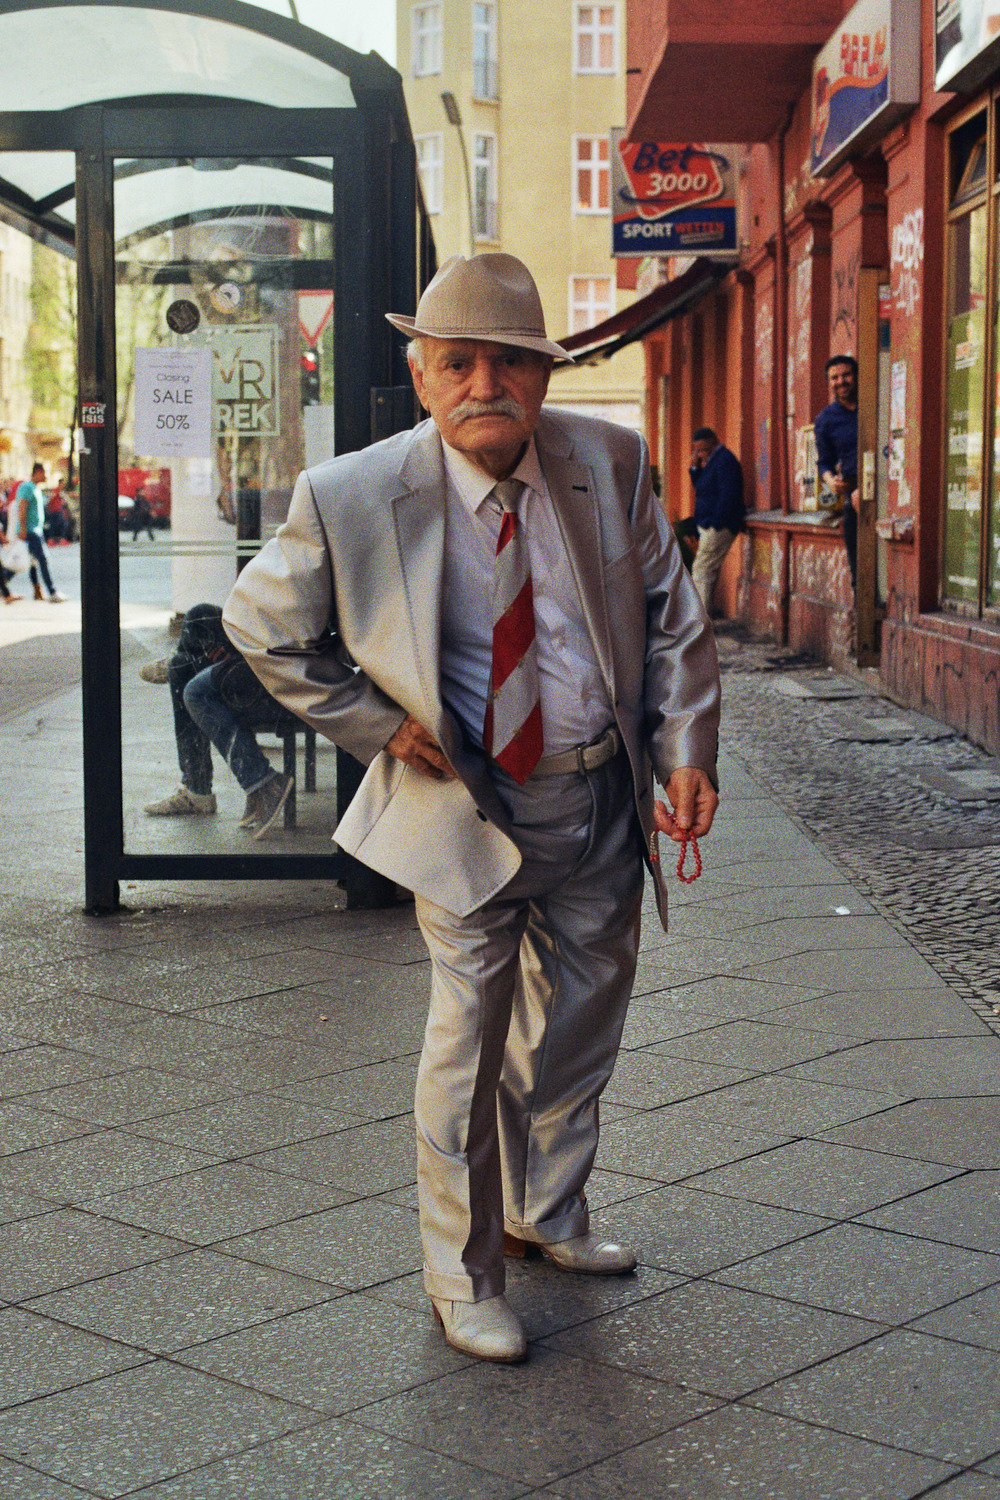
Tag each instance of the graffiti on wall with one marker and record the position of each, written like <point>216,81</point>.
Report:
<point>844,315</point>
<point>907,258</point>
<point>764,463</point>
<point>764,342</point>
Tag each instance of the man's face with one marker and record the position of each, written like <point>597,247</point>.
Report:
<point>701,451</point>
<point>485,398</point>
<point>38,474</point>
<point>842,384</point>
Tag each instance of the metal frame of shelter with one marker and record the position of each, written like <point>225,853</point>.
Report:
<point>377,213</point>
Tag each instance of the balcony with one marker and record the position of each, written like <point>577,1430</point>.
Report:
<point>711,70</point>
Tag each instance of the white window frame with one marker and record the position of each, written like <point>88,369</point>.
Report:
<point>587,27</point>
<point>426,38</point>
<point>585,311</point>
<point>430,160</point>
<point>485,51</point>
<point>596,169</point>
<point>485,191</point>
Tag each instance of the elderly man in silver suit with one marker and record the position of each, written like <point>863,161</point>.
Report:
<point>491,613</point>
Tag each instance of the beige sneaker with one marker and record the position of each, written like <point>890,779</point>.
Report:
<point>156,671</point>
<point>182,803</point>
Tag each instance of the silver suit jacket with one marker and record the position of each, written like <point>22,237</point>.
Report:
<point>340,617</point>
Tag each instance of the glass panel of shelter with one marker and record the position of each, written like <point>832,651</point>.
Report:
<point>224,297</point>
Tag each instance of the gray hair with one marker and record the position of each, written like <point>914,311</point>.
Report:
<point>415,352</point>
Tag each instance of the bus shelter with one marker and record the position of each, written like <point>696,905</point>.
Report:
<point>241,197</point>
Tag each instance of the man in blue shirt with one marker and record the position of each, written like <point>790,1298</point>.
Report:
<point>718,508</point>
<point>836,432</point>
<point>29,505</point>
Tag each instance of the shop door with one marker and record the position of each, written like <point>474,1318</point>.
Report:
<point>243,351</point>
<point>874,380</point>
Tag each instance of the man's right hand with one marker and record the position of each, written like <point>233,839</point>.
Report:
<point>414,745</point>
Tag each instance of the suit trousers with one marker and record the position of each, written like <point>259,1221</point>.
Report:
<point>528,1001</point>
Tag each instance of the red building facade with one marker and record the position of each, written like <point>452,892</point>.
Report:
<point>890,254</point>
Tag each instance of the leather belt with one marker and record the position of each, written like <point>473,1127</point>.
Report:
<point>583,759</point>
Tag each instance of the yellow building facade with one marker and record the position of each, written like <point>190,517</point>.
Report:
<point>533,88</point>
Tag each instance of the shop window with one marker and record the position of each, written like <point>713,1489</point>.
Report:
<point>429,160</point>
<point>971,571</point>
<point>591,172</point>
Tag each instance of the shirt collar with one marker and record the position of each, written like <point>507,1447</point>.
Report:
<point>473,486</point>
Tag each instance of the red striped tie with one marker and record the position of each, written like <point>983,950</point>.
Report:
<point>512,731</point>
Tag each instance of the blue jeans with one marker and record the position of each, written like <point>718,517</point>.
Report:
<point>37,549</point>
<point>235,743</point>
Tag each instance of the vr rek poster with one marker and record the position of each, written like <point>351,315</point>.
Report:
<point>673,198</point>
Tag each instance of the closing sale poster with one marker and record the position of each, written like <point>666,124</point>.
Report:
<point>173,403</point>
<point>672,198</point>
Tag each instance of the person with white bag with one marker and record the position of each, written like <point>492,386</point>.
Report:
<point>14,558</point>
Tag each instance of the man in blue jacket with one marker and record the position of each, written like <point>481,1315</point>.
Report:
<point>719,514</point>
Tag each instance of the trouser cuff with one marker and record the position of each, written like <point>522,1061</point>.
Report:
<point>567,1226</point>
<point>465,1288</point>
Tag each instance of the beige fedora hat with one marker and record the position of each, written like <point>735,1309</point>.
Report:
<point>490,297</point>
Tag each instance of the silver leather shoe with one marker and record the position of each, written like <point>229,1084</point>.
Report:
<point>586,1254</point>
<point>487,1330</point>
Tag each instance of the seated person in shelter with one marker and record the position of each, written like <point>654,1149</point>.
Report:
<point>212,689</point>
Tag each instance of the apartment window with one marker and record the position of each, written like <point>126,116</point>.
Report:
<point>589,301</point>
<point>971,571</point>
<point>594,39</point>
<point>484,186</point>
<point>426,40</point>
<point>591,173</point>
<point>484,50</point>
<point>430,154</point>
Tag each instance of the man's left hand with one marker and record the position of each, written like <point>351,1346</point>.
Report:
<point>693,799</point>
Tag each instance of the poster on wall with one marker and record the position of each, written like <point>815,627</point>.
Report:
<point>866,77</point>
<point>673,198</point>
<point>966,42</point>
<point>964,460</point>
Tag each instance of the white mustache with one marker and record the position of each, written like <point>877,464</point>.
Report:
<point>504,406</point>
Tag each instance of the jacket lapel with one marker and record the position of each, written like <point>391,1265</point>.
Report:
<point>418,509</point>
<point>574,499</point>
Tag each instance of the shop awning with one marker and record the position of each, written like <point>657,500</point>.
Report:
<point>645,314</point>
<point>57,55</point>
<point>714,71</point>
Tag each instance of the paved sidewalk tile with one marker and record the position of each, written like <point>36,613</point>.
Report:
<point>819,1177</point>
<point>127,1430</point>
<point>217,1202</point>
<point>938,1397</point>
<point>183,1300</point>
<point>335,1460</point>
<point>756,1454</point>
<point>867,1273</point>
<point>489,1415</point>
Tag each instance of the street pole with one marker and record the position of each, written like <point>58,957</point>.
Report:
<point>454,117</point>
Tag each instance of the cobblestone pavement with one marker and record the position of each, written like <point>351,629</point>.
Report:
<point>209,1258</point>
<point>906,807</point>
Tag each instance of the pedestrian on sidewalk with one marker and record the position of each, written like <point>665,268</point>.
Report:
<point>29,503</point>
<point>491,611</point>
<point>203,693</point>
<point>719,513</point>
